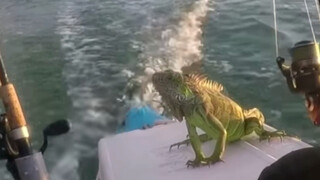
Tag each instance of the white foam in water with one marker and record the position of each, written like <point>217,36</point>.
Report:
<point>68,29</point>
<point>181,46</point>
<point>187,42</point>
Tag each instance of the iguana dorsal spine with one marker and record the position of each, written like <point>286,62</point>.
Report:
<point>201,81</point>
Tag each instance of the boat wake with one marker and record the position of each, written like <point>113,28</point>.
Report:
<point>178,48</point>
<point>98,65</point>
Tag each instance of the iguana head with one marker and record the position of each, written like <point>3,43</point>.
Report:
<point>171,87</point>
<point>167,79</point>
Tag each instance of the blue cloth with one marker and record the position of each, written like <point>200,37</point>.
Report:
<point>138,117</point>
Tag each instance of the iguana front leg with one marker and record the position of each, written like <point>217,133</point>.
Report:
<point>196,145</point>
<point>214,128</point>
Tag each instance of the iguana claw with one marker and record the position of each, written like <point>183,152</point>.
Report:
<point>186,142</point>
<point>194,163</point>
<point>268,135</point>
<point>203,138</point>
<point>206,161</point>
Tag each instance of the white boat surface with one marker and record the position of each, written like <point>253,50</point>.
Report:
<point>145,155</point>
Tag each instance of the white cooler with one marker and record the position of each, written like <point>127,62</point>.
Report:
<point>144,155</point>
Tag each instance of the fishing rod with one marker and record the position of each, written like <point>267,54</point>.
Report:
<point>15,146</point>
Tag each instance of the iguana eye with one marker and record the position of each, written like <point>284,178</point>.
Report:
<point>180,98</point>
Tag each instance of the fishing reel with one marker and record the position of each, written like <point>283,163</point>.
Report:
<point>303,75</point>
<point>8,150</point>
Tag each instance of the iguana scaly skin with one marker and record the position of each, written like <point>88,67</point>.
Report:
<point>202,104</point>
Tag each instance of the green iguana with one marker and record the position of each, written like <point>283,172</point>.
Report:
<point>202,104</point>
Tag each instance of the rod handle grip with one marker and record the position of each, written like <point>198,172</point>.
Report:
<point>12,106</point>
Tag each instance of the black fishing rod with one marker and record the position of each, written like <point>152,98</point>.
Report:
<point>22,161</point>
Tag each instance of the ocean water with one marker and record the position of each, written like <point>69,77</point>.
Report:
<point>72,59</point>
